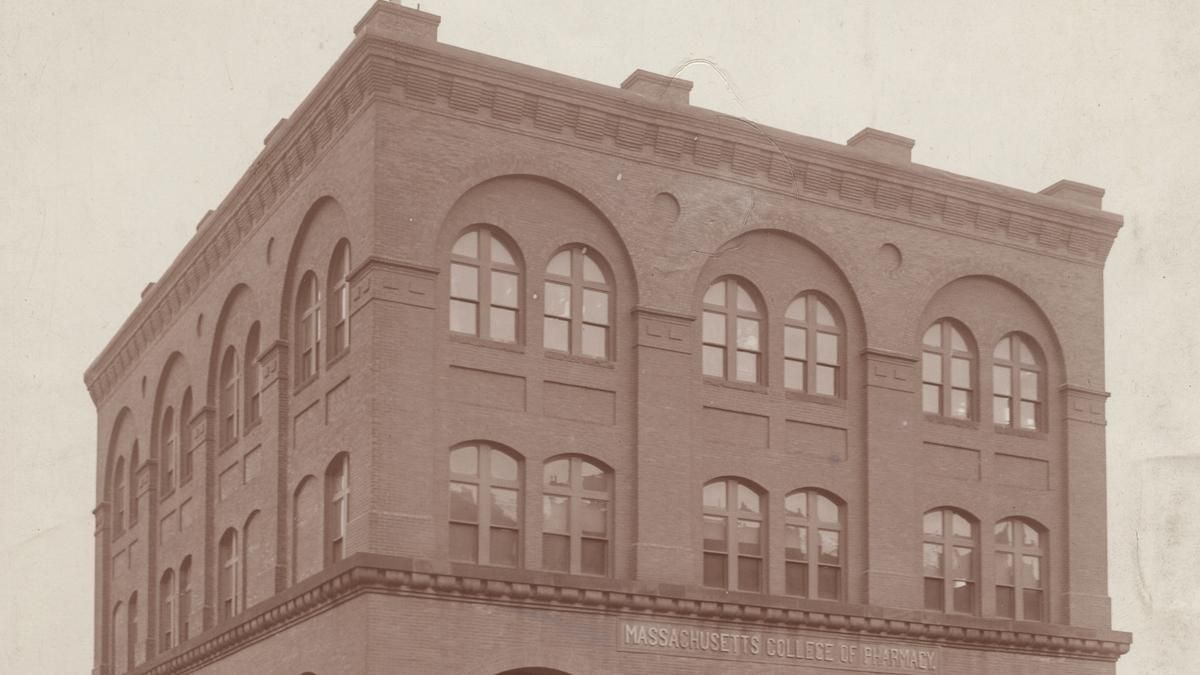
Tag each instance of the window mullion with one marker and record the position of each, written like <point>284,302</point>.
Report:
<point>575,532</point>
<point>575,346</point>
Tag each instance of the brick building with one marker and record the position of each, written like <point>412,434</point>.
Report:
<point>483,369</point>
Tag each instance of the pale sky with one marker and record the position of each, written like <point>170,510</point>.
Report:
<point>121,123</point>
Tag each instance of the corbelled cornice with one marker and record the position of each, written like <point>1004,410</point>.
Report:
<point>485,90</point>
<point>368,573</point>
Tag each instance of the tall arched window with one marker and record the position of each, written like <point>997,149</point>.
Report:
<point>813,555</point>
<point>337,507</point>
<point>118,498</point>
<point>184,606</point>
<point>1017,383</point>
<point>812,347</point>
<point>228,571</point>
<point>578,311</point>
<point>116,651</point>
<point>170,449</point>
<point>339,299</point>
<point>732,321</point>
<point>1020,560</point>
<point>185,439</point>
<point>733,536</point>
<point>253,378</point>
<point>947,371</point>
<point>576,516</point>
<point>229,407</point>
<point>308,327</point>
<point>131,631</point>
<point>134,463</point>
<point>485,505</point>
<point>949,561</point>
<point>166,611</point>
<point>485,286</point>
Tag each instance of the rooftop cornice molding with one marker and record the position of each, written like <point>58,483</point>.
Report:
<point>372,573</point>
<point>596,117</point>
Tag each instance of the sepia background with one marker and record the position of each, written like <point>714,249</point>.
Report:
<point>121,123</point>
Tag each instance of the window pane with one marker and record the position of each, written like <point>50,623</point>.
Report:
<point>827,349</point>
<point>933,336</point>
<point>714,361</point>
<point>1004,533</point>
<point>1003,349</point>
<point>556,334</point>
<point>824,316</point>
<point>594,554</point>
<point>464,502</point>
<point>462,317</point>
<point>1030,537</point>
<point>503,466</point>
<point>1031,571</point>
<point>554,514</point>
<point>794,345</point>
<point>749,537</point>
<point>1029,386</point>
<point>796,579</point>
<point>795,542</point>
<point>931,524</point>
<point>1034,606</point>
<point>827,510</point>
<point>826,380</point>
<point>504,324</point>
<point>503,549</point>
<point>744,301</point>
<point>961,526</point>
<point>592,271</point>
<point>748,500</point>
<point>500,253</point>
<point>1006,604</point>
<point>1002,410</point>
<point>464,542</point>
<point>933,560</point>
<point>1002,380</point>
<point>1005,574</point>
<point>714,533</point>
<point>960,373</point>
<point>557,473</point>
<point>465,461</point>
<point>714,328</point>
<point>715,295</point>
<point>467,245</point>
<point>504,289</point>
<point>594,477</point>
<point>595,341</point>
<point>747,334</point>
<point>931,367</point>
<point>556,552</point>
<point>595,517</point>
<point>796,504</point>
<point>747,366</point>
<point>464,281</point>
<point>715,495</point>
<point>1027,356</point>
<point>558,300</point>
<point>964,597</point>
<point>829,582</point>
<point>964,563</point>
<point>560,264</point>
<point>595,307</point>
<point>715,574</point>
<point>749,574</point>
<point>793,374</point>
<point>1029,415</point>
<point>957,343</point>
<point>960,403</point>
<point>830,552</point>
<point>935,594</point>
<point>504,507</point>
<point>930,398</point>
<point>796,310</point>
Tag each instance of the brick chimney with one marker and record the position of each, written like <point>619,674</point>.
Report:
<point>882,146</point>
<point>658,87</point>
<point>1086,195</point>
<point>393,21</point>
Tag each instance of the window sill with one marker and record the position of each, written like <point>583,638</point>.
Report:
<point>952,422</point>
<point>251,427</point>
<point>576,358</point>
<point>167,495</point>
<point>821,399</point>
<point>227,445</point>
<point>1021,433</point>
<point>513,347</point>
<point>335,358</point>
<point>303,384</point>
<point>750,387</point>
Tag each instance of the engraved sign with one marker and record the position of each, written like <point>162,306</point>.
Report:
<point>777,647</point>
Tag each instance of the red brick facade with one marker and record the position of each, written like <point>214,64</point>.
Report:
<point>276,424</point>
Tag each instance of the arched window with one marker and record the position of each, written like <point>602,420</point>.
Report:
<point>1017,383</point>
<point>118,498</point>
<point>813,554</point>
<point>949,561</point>
<point>339,300</point>
<point>1020,560</point>
<point>308,327</point>
<point>184,606</point>
<point>578,311</point>
<point>229,406</point>
<point>116,650</point>
<point>947,371</point>
<point>166,611</point>
<point>733,536</point>
<point>170,448</point>
<point>485,505</point>
<point>731,332</point>
<point>337,507</point>
<point>812,347</point>
<point>131,631</point>
<point>485,286</point>
<point>134,462</point>
<point>185,418</point>
<point>576,516</point>
<point>229,571</point>
<point>253,395</point>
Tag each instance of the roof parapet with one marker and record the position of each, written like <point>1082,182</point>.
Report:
<point>393,21</point>
<point>658,87</point>
<point>883,146</point>
<point>1079,193</point>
